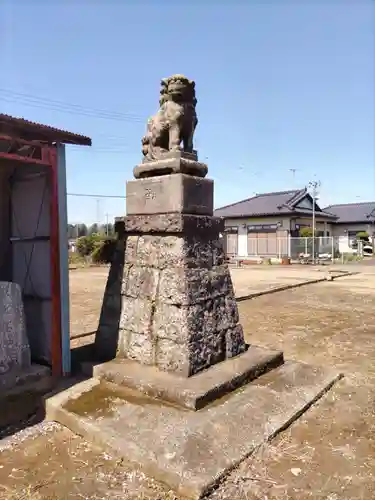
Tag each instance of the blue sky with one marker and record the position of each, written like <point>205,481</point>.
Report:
<point>280,84</point>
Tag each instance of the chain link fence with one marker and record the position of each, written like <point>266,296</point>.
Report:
<point>319,247</point>
<point>302,249</point>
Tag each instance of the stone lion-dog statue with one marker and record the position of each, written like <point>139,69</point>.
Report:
<point>175,122</point>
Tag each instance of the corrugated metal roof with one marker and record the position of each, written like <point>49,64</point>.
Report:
<point>353,212</point>
<point>276,203</point>
<point>22,128</point>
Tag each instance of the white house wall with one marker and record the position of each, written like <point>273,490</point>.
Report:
<point>242,224</point>
<point>341,232</point>
<point>343,229</point>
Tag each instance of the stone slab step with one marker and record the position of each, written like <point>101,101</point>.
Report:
<point>189,450</point>
<point>193,392</point>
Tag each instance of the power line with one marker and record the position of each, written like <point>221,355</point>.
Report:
<point>89,114</point>
<point>54,105</point>
<point>75,109</point>
<point>96,195</point>
<point>54,102</point>
<point>93,150</point>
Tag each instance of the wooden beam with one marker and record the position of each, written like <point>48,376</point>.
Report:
<point>23,159</point>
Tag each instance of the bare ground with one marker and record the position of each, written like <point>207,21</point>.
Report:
<point>87,288</point>
<point>329,453</point>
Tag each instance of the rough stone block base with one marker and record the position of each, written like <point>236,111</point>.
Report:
<point>169,300</point>
<point>178,310</point>
<point>190,451</point>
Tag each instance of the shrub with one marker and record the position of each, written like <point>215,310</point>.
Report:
<point>86,244</point>
<point>306,232</point>
<point>363,235</point>
<point>103,251</point>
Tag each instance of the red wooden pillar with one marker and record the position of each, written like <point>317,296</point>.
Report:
<point>49,153</point>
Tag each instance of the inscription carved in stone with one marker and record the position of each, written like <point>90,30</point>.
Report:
<point>149,194</point>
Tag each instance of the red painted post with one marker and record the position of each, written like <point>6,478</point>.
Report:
<point>50,153</point>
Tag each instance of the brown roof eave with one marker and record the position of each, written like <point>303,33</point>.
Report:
<point>367,221</point>
<point>276,214</point>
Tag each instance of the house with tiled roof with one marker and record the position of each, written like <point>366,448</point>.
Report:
<point>266,223</point>
<point>352,218</point>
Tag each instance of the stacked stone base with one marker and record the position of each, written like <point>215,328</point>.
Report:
<point>179,310</point>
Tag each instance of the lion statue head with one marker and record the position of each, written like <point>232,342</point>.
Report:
<point>178,88</point>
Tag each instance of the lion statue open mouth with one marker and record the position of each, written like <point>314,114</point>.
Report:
<point>175,122</point>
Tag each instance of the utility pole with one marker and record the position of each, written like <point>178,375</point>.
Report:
<point>106,224</point>
<point>98,211</point>
<point>314,186</point>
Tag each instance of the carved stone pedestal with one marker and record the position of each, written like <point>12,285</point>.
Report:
<point>178,309</point>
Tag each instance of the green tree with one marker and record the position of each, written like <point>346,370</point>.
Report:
<point>82,230</point>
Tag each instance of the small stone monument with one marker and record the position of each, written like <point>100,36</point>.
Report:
<point>22,384</point>
<point>14,345</point>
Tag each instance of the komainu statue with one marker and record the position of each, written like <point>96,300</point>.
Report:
<point>175,121</point>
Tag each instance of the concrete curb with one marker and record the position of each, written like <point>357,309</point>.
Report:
<point>289,287</point>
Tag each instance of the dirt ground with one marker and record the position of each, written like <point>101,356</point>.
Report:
<point>87,288</point>
<point>329,453</point>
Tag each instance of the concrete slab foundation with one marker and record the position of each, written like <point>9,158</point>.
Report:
<point>189,450</point>
<point>194,392</point>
